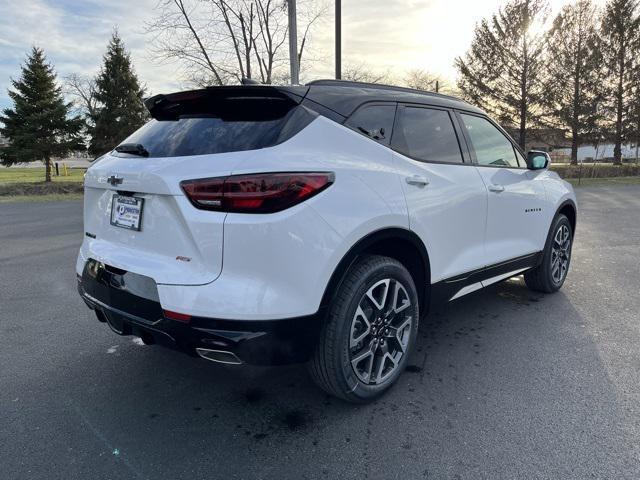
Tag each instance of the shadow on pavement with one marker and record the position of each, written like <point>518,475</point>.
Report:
<point>497,387</point>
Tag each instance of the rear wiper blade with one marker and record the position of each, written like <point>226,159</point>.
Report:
<point>133,149</point>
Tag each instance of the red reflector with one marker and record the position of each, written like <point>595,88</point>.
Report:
<point>180,317</point>
<point>255,193</point>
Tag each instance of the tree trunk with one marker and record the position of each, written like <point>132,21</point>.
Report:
<point>576,105</point>
<point>638,139</point>
<point>617,149</point>
<point>47,169</point>
<point>574,147</point>
<point>524,95</point>
<point>522,140</point>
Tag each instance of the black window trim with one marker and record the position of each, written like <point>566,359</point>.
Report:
<point>464,152</point>
<point>474,158</point>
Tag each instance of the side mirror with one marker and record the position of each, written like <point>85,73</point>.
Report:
<point>537,160</point>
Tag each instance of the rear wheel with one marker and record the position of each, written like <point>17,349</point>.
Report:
<point>369,332</point>
<point>549,276</point>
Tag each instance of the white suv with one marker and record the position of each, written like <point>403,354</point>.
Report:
<point>266,225</point>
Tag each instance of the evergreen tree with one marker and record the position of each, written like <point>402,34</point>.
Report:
<point>620,48</point>
<point>38,127</point>
<point>573,87</point>
<point>501,72</point>
<point>635,114</point>
<point>120,108</point>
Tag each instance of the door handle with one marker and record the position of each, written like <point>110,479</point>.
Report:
<point>417,180</point>
<point>496,188</point>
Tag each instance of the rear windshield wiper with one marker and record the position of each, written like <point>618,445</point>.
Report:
<point>133,149</point>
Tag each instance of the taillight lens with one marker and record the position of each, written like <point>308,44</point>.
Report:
<point>255,193</point>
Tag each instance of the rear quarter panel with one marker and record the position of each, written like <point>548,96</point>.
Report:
<point>278,265</point>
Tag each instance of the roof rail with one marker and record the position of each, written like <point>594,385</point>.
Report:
<point>378,86</point>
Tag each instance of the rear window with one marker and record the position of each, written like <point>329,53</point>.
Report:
<point>202,134</point>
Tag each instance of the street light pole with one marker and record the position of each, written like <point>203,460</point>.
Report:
<point>338,21</point>
<point>293,42</point>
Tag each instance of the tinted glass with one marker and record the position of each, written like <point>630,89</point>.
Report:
<point>426,134</point>
<point>199,135</point>
<point>491,146</point>
<point>375,121</point>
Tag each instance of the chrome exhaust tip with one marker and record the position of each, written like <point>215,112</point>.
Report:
<point>219,356</point>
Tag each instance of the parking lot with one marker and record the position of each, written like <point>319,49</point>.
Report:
<point>504,383</point>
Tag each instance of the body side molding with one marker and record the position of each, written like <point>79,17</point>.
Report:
<point>460,285</point>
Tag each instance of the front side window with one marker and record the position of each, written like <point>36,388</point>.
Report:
<point>426,134</point>
<point>521,160</point>
<point>374,121</point>
<point>491,146</point>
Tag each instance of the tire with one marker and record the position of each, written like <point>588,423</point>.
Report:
<point>549,276</point>
<point>368,335</point>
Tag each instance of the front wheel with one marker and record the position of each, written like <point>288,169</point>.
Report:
<point>369,332</point>
<point>549,276</point>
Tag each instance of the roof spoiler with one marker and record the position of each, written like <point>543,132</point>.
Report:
<point>218,100</point>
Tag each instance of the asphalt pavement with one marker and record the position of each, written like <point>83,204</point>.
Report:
<point>504,383</point>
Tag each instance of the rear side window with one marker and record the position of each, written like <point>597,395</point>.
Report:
<point>374,121</point>
<point>426,134</point>
<point>200,134</point>
<point>491,146</point>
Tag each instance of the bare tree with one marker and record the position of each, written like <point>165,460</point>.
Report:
<point>222,41</point>
<point>273,29</point>
<point>82,91</point>
<point>361,72</point>
<point>423,80</point>
<point>311,13</point>
<point>177,37</point>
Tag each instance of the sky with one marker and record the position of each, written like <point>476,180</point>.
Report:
<point>386,35</point>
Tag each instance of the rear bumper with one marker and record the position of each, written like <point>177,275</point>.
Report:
<point>129,304</point>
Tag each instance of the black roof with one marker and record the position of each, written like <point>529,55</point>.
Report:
<point>344,96</point>
<point>339,97</point>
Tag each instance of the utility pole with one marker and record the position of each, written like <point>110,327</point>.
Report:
<point>338,21</point>
<point>293,42</point>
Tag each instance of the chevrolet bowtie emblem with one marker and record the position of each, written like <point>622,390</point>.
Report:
<point>114,180</point>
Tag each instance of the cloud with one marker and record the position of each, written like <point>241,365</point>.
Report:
<point>74,36</point>
<point>385,35</point>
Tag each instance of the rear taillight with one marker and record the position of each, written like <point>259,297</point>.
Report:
<point>255,193</point>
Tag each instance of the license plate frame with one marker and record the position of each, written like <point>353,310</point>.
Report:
<point>126,215</point>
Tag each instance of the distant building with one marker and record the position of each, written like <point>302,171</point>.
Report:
<point>602,152</point>
<point>546,139</point>
<point>554,141</point>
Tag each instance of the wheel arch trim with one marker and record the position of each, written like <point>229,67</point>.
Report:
<point>563,205</point>
<point>365,244</point>
<point>568,203</point>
